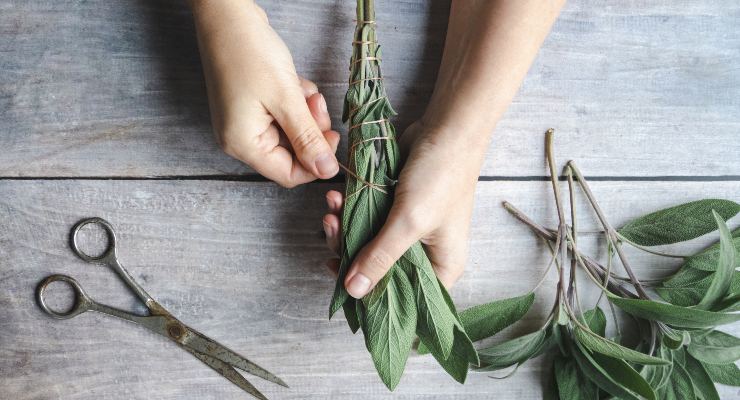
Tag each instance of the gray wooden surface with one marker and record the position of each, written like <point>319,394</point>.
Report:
<point>114,88</point>
<point>220,256</point>
<point>644,96</point>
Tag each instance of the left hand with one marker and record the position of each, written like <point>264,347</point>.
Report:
<point>433,203</point>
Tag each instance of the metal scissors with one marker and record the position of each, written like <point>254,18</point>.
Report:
<point>159,320</point>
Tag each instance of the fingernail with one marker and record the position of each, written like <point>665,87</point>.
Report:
<point>322,104</point>
<point>358,286</point>
<point>327,165</point>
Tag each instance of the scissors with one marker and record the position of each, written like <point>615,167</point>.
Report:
<point>158,320</point>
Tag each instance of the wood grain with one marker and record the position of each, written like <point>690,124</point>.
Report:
<point>243,264</point>
<point>100,88</point>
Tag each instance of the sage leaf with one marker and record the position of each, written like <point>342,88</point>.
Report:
<point>613,376</point>
<point>659,375</point>
<point>488,319</point>
<point>462,354</point>
<point>687,287</point>
<point>675,339</point>
<point>607,347</point>
<point>707,259</point>
<point>460,358</point>
<point>679,223</point>
<point>571,384</point>
<point>722,278</point>
<point>390,322</point>
<point>701,379</point>
<point>436,322</point>
<point>715,347</point>
<point>514,351</point>
<point>596,321</point>
<point>673,315</point>
<point>726,374</point>
<point>681,384</point>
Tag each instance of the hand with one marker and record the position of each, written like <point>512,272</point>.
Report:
<point>259,105</point>
<point>433,203</point>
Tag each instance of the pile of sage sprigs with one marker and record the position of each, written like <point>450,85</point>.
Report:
<point>674,353</point>
<point>409,301</point>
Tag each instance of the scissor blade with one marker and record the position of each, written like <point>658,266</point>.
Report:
<point>202,344</point>
<point>229,373</point>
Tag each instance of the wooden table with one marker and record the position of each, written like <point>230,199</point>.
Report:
<point>103,113</point>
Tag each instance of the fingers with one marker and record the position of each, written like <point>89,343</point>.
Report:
<point>309,144</point>
<point>317,105</point>
<point>331,221</point>
<point>378,256</point>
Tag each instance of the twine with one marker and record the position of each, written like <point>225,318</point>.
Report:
<point>377,121</point>
<point>359,60</point>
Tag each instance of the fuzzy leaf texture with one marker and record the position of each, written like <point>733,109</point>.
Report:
<point>409,299</point>
<point>683,317</point>
<point>720,284</point>
<point>679,223</point>
<point>486,320</point>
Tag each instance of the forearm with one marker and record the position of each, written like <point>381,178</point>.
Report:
<point>490,46</point>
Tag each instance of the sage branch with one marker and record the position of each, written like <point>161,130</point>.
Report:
<point>409,301</point>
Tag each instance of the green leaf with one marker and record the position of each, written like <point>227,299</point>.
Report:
<point>607,347</point>
<point>460,358</point>
<point>675,339</point>
<point>596,321</point>
<point>659,375</point>
<point>488,319</point>
<point>715,347</point>
<point>514,351</point>
<point>681,383</point>
<point>701,379</point>
<point>708,259</point>
<point>679,223</point>
<point>463,353</point>
<point>726,374</point>
<point>350,312</point>
<point>571,384</point>
<point>436,322</point>
<point>687,287</point>
<point>722,278</point>
<point>613,376</point>
<point>673,315</point>
<point>390,324</point>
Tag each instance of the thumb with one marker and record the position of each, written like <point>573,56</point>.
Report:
<point>307,140</point>
<point>377,257</point>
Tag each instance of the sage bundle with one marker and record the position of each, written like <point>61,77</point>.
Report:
<point>409,301</point>
<point>678,352</point>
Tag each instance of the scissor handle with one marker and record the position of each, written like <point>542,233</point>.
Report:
<point>110,251</point>
<point>82,301</point>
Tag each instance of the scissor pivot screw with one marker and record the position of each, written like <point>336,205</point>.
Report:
<point>174,331</point>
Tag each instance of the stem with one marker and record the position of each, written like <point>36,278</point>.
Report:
<point>588,263</point>
<point>610,232</point>
<point>648,250</point>
<point>563,246</point>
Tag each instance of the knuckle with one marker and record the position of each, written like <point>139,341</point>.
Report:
<point>308,139</point>
<point>377,262</point>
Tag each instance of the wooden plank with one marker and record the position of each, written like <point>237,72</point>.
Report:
<point>104,88</point>
<point>242,263</point>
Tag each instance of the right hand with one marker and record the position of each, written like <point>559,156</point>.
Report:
<point>262,112</point>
